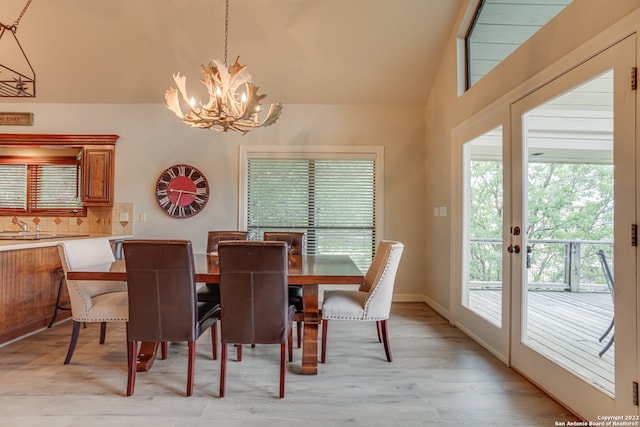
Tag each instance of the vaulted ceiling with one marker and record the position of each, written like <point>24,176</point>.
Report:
<point>298,51</point>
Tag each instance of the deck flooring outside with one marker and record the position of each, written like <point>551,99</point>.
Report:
<point>565,327</point>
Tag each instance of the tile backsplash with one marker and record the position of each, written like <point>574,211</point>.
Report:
<point>116,220</point>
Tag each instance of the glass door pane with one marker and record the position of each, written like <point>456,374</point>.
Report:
<point>481,203</point>
<point>570,214</point>
<point>484,207</point>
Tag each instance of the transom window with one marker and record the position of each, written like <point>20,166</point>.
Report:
<point>499,27</point>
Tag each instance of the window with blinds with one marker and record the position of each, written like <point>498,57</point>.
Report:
<point>39,188</point>
<point>331,200</point>
<point>14,187</point>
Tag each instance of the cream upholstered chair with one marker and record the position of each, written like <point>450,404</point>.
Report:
<point>91,300</point>
<point>372,302</point>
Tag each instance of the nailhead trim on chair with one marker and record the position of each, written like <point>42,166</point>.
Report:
<point>86,303</point>
<point>358,318</point>
<point>364,316</point>
<point>384,272</point>
<point>90,319</point>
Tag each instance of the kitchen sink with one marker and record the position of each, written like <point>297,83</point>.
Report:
<point>36,235</point>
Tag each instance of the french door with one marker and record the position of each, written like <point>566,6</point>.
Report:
<point>579,131</point>
<point>540,188</point>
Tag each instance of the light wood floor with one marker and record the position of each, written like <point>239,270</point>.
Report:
<point>439,377</point>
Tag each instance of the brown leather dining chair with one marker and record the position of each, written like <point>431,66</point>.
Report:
<point>215,237</point>
<point>162,300</point>
<point>295,240</point>
<point>296,246</point>
<point>211,291</point>
<point>254,299</point>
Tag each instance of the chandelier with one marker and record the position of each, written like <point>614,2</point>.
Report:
<point>234,102</point>
<point>16,80</point>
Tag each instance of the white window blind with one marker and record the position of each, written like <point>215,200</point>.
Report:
<point>331,200</point>
<point>53,187</point>
<point>14,187</point>
<point>39,188</point>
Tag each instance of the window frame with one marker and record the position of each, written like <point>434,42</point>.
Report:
<point>375,153</point>
<point>467,42</point>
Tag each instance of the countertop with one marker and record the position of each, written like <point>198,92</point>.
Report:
<point>12,245</point>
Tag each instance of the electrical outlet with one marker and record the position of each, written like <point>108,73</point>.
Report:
<point>124,216</point>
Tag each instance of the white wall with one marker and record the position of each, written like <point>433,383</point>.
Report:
<point>152,138</point>
<point>571,29</point>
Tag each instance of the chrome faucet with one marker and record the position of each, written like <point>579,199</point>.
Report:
<point>24,225</point>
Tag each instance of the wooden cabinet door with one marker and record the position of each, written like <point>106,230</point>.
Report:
<point>97,176</point>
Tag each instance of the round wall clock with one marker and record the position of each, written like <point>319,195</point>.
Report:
<point>182,191</point>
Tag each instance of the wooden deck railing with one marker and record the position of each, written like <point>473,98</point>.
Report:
<point>552,264</point>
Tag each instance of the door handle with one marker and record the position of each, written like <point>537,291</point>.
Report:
<point>513,249</point>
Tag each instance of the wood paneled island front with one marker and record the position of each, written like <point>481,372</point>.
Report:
<point>29,281</point>
<point>30,275</point>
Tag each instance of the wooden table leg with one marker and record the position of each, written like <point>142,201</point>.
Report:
<point>311,323</point>
<point>146,356</point>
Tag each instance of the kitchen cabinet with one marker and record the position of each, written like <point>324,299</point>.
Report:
<point>96,170</point>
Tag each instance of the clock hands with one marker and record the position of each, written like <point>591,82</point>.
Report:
<point>182,191</point>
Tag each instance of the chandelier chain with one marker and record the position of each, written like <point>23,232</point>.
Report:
<point>15,24</point>
<point>226,32</point>
<point>13,28</point>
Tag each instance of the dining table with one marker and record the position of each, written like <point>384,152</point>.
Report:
<point>308,271</point>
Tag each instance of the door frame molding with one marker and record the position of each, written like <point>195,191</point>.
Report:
<point>614,34</point>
